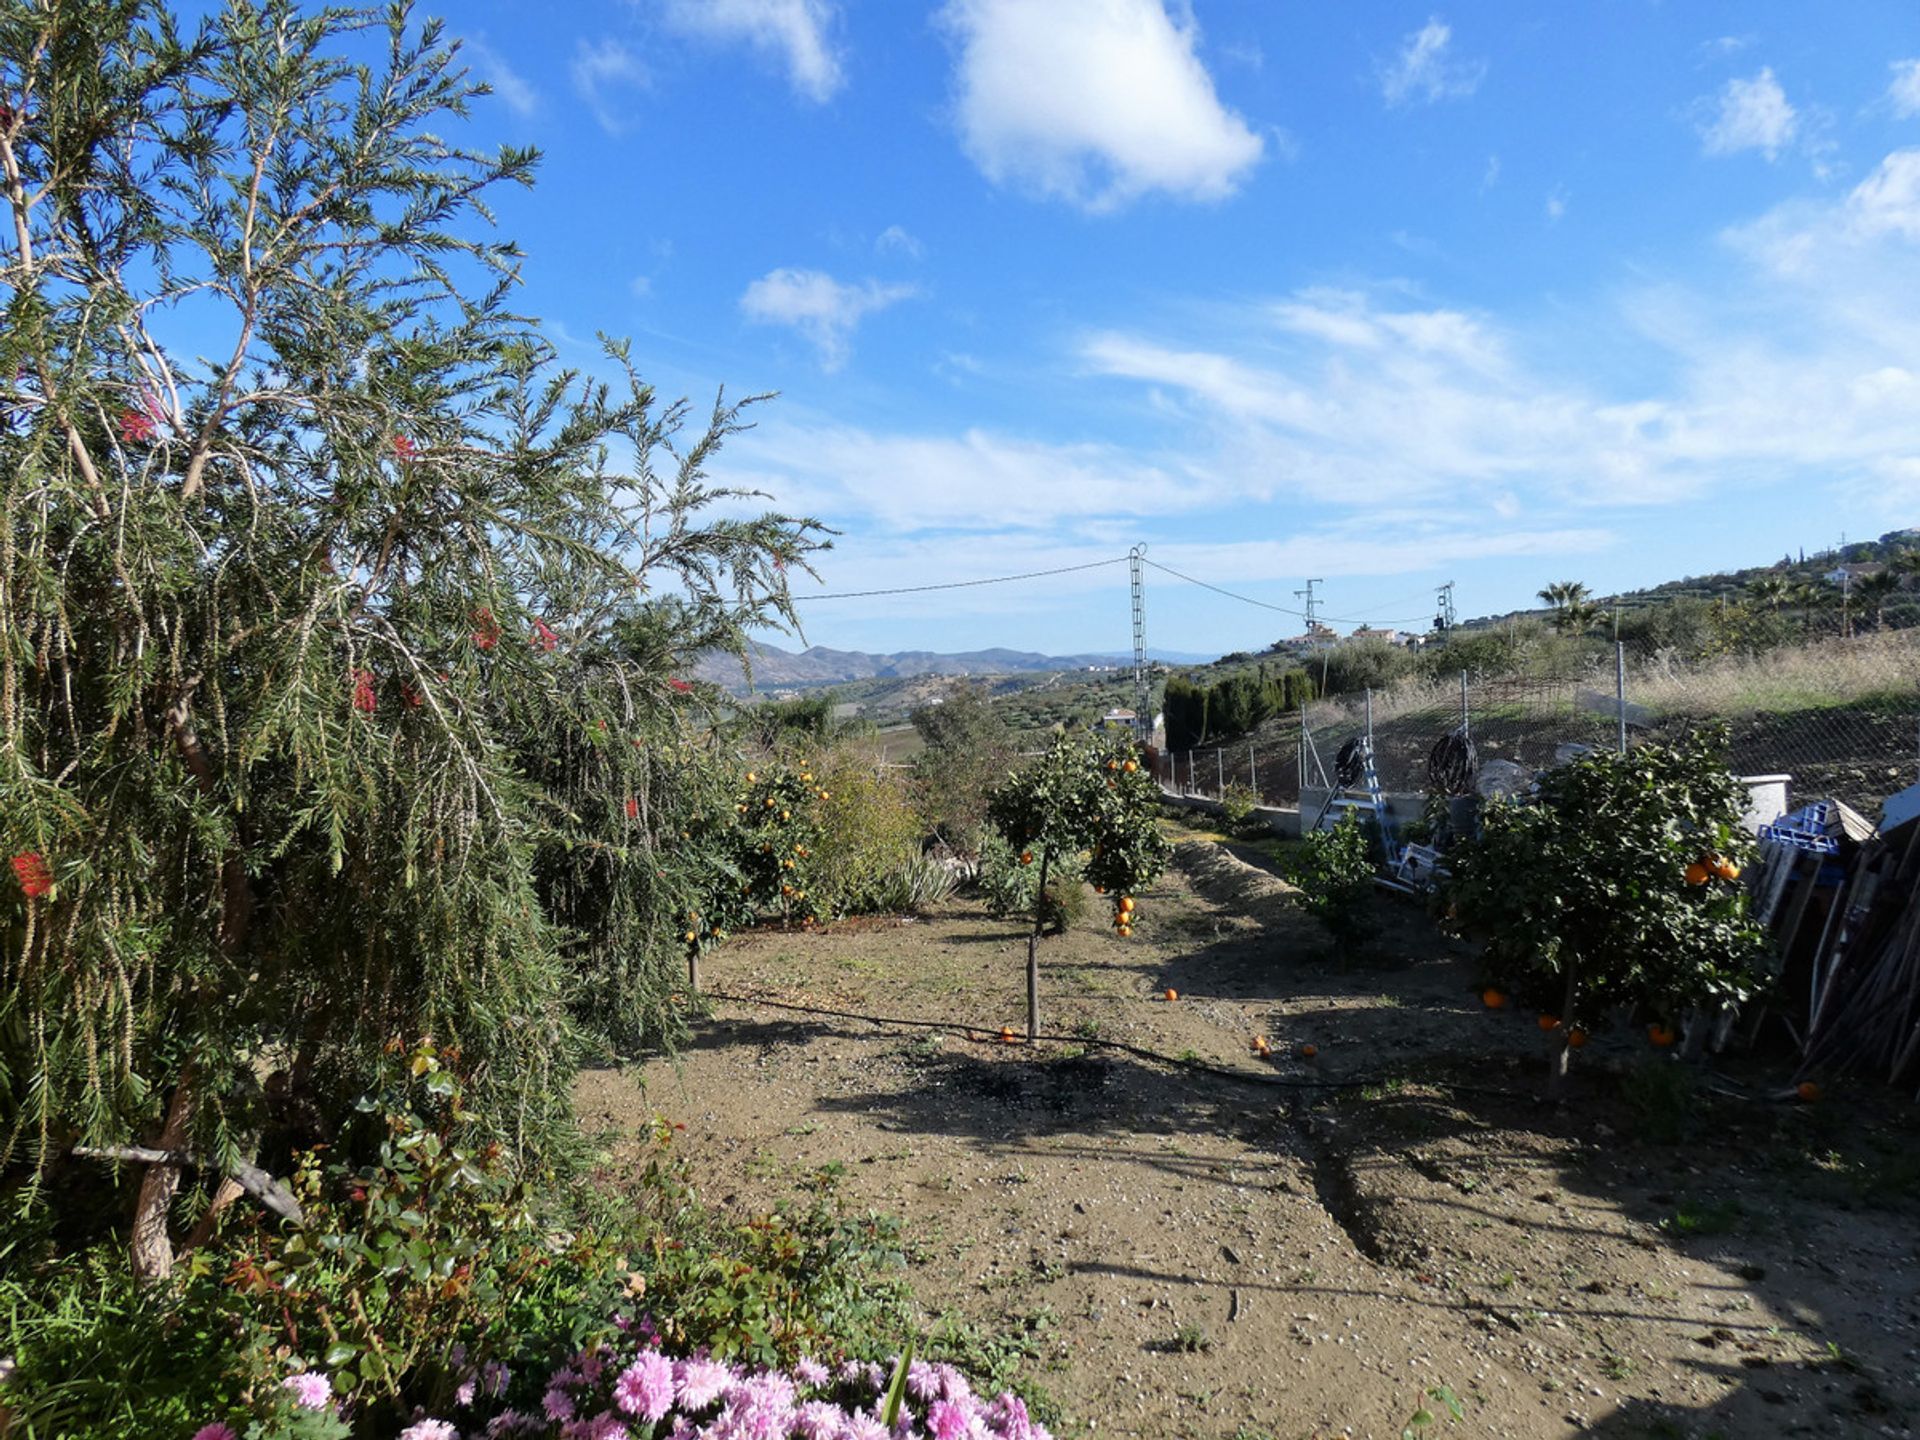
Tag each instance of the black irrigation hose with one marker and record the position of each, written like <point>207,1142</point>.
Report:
<point>1273,1082</point>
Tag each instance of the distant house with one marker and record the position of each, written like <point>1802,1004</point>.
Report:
<point>1845,574</point>
<point>1120,719</point>
<point>1369,632</point>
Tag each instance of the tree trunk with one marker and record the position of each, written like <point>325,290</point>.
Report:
<point>1033,950</point>
<point>1562,1051</point>
<point>152,1247</point>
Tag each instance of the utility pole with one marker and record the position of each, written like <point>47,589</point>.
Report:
<point>1311,605</point>
<point>1142,692</point>
<point>1443,621</point>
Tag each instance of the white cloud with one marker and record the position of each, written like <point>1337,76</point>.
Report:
<point>1424,70</point>
<point>1887,202</point>
<point>1490,177</point>
<point>507,84</point>
<point>1556,206</point>
<point>1904,90</point>
<point>792,31</point>
<point>599,73</point>
<point>1751,115</point>
<point>1097,102</point>
<point>820,307</point>
<point>896,238</point>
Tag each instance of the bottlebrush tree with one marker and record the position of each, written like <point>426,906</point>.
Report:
<point>342,691</point>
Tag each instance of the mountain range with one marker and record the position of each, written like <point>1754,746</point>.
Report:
<point>777,669</point>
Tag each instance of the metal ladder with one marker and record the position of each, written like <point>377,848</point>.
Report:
<point>1372,801</point>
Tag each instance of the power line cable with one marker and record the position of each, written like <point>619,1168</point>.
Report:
<point>1265,605</point>
<point>965,584</point>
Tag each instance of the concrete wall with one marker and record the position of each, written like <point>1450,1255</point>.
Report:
<point>1279,819</point>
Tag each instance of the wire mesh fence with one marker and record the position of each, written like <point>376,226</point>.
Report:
<point>1841,719</point>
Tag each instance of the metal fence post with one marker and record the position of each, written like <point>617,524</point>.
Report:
<point>1466,713</point>
<point>1369,717</point>
<point>1220,766</point>
<point>1620,689</point>
<point>1253,771</point>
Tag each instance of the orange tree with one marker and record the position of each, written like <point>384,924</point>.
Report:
<point>1086,793</point>
<point>1615,886</point>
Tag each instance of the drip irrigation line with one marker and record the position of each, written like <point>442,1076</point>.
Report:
<point>1271,1082</point>
<point>964,584</point>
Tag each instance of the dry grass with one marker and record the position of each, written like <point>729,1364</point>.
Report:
<point>1826,676</point>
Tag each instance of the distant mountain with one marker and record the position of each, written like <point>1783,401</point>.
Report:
<point>777,669</point>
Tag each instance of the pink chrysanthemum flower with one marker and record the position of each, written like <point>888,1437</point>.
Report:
<point>850,1372</point>
<point>605,1426</point>
<point>430,1430</point>
<point>557,1403</point>
<point>923,1381</point>
<point>877,1374</point>
<point>700,1382</point>
<point>494,1377</point>
<point>809,1371</point>
<point>817,1420</point>
<point>953,1385</point>
<point>310,1388</point>
<point>215,1431</point>
<point>645,1388</point>
<point>955,1420</point>
<point>509,1422</point>
<point>862,1426</point>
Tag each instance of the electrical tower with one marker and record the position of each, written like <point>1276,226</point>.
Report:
<point>1443,622</point>
<point>1311,604</point>
<point>1142,692</point>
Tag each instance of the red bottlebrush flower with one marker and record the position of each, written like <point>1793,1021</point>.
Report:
<point>676,683</point>
<point>413,697</point>
<point>30,868</point>
<point>633,808</point>
<point>486,631</point>
<point>136,427</point>
<point>402,449</point>
<point>543,637</point>
<point>364,698</point>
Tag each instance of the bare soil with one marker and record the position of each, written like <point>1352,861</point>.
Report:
<point>1264,1254</point>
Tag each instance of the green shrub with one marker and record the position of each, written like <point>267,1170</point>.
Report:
<point>968,750</point>
<point>1010,888</point>
<point>867,833</point>
<point>1237,806</point>
<point>1334,872</point>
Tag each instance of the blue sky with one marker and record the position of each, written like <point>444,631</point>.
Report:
<point>1385,295</point>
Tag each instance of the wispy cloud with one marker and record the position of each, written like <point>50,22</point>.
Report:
<point>600,73</point>
<point>1426,69</point>
<point>896,240</point>
<point>1903,91</point>
<point>508,85</point>
<point>1097,102</point>
<point>1556,204</point>
<point>1752,114</point>
<point>823,309</point>
<point>794,32</point>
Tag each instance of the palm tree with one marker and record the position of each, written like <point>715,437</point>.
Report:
<point>1576,617</point>
<point>1562,593</point>
<point>1873,591</point>
<point>1771,591</point>
<point>1809,596</point>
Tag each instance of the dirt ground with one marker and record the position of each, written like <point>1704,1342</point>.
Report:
<point>1198,1255</point>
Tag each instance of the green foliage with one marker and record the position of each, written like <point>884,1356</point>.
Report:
<point>1237,805</point>
<point>1356,665</point>
<point>868,834</point>
<point>1012,888</point>
<point>1085,793</point>
<point>1583,894</point>
<point>755,845</point>
<point>805,717</point>
<point>922,882</point>
<point>1660,1095</point>
<point>1197,713</point>
<point>968,749</point>
<point>1334,872</point>
<point>340,676</point>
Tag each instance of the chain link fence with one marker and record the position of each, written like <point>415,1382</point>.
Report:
<point>1840,718</point>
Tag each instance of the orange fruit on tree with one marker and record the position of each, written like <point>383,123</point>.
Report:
<point>1131,766</point>
<point>1492,998</point>
<point>1725,868</point>
<point>1126,933</point>
<point>1113,764</point>
<point>1698,874</point>
<point>1661,1035</point>
<point>1807,1091</point>
<point>1026,857</point>
<point>1126,904</point>
<point>1576,1038</point>
<point>1549,1022</point>
<point>691,937</point>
